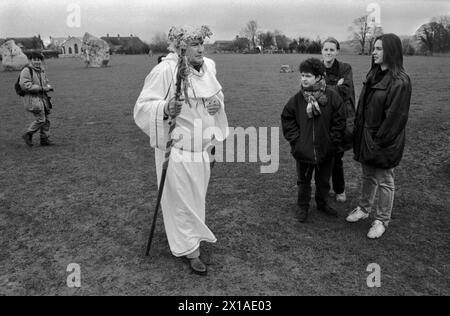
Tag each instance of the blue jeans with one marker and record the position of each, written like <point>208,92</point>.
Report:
<point>382,181</point>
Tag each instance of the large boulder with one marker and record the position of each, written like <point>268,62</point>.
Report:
<point>286,69</point>
<point>95,51</point>
<point>13,59</point>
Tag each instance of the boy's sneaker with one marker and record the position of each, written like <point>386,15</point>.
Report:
<point>356,215</point>
<point>341,197</point>
<point>377,230</point>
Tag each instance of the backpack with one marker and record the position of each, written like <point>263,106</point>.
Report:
<point>19,90</point>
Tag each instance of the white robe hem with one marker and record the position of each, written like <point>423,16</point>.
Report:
<point>188,252</point>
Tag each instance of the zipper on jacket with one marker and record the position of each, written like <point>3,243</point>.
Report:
<point>42,87</point>
<point>314,141</point>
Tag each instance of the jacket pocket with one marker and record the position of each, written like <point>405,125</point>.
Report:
<point>33,104</point>
<point>370,144</point>
<point>382,157</point>
<point>300,150</point>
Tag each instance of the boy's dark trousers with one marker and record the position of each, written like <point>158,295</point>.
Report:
<point>322,174</point>
<point>338,174</point>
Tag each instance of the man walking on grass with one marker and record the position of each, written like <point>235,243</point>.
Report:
<point>34,85</point>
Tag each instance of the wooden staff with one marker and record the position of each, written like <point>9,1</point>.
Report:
<point>182,74</point>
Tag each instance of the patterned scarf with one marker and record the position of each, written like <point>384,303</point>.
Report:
<point>314,95</point>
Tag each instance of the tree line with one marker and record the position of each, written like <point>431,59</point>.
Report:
<point>430,38</point>
<point>275,41</point>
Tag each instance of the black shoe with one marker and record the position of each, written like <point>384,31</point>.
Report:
<point>302,214</point>
<point>328,210</point>
<point>46,142</point>
<point>197,266</point>
<point>28,138</point>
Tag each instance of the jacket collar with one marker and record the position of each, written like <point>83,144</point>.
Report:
<point>34,68</point>
<point>335,67</point>
<point>384,83</point>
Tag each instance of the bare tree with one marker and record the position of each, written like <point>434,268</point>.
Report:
<point>303,44</point>
<point>408,46</point>
<point>251,32</point>
<point>375,32</point>
<point>433,36</point>
<point>282,41</point>
<point>444,20</point>
<point>267,40</point>
<point>361,32</point>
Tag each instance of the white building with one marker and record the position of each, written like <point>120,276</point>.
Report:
<point>71,47</point>
<point>67,47</point>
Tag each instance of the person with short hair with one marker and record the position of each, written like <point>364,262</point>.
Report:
<point>34,82</point>
<point>339,76</point>
<point>380,131</point>
<point>313,123</point>
<point>201,122</point>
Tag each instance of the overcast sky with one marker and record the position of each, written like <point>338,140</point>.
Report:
<point>226,18</point>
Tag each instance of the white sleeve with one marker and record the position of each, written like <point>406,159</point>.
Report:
<point>220,119</point>
<point>149,108</point>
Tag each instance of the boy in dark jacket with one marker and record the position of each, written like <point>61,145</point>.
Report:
<point>313,123</point>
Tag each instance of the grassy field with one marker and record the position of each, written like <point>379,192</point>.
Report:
<point>89,200</point>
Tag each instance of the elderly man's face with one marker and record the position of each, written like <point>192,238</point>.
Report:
<point>195,52</point>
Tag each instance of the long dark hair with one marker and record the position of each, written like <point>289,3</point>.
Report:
<point>392,55</point>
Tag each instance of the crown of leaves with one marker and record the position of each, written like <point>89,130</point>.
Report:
<point>180,36</point>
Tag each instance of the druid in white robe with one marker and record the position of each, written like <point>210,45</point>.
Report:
<point>184,195</point>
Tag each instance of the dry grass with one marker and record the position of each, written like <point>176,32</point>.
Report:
<point>89,199</point>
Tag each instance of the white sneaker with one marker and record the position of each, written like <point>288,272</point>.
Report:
<point>341,197</point>
<point>356,215</point>
<point>377,230</point>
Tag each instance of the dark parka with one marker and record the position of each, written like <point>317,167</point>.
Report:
<point>314,140</point>
<point>380,122</point>
<point>338,71</point>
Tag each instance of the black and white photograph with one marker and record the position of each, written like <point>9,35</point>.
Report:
<point>227,153</point>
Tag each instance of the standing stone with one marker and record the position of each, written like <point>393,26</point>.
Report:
<point>286,69</point>
<point>13,58</point>
<point>95,51</point>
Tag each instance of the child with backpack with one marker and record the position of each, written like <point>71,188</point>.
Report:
<point>33,87</point>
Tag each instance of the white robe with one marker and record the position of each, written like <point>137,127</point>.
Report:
<point>183,200</point>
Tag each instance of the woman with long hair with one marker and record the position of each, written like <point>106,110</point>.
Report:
<point>380,124</point>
